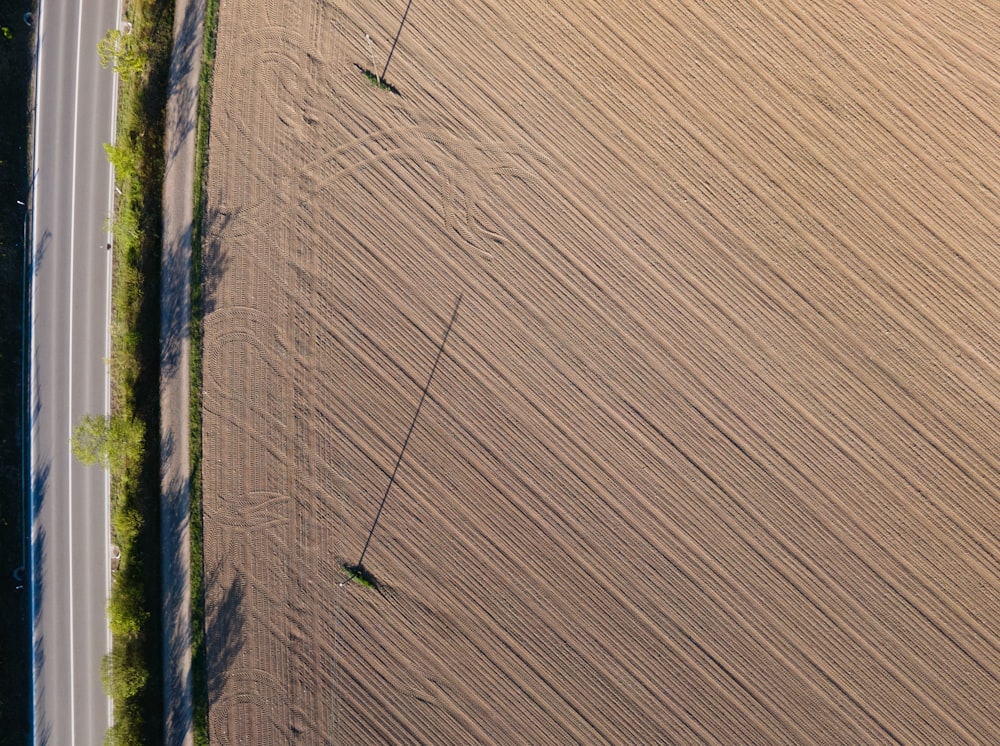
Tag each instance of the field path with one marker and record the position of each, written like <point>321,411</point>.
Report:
<point>175,379</point>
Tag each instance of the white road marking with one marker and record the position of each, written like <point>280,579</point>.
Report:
<point>41,62</point>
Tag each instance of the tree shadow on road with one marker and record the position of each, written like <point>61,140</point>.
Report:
<point>175,304</point>
<point>43,723</point>
<point>176,626</point>
<point>41,248</point>
<point>183,81</point>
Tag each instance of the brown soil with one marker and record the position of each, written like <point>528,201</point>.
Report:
<point>710,455</point>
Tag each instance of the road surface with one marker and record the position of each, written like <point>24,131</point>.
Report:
<point>74,115</point>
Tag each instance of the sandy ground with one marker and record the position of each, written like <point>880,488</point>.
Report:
<point>710,453</point>
<point>175,368</point>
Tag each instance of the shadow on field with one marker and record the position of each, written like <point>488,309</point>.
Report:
<point>213,260</point>
<point>175,303</point>
<point>224,623</point>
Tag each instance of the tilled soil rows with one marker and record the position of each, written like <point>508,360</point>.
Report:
<point>710,453</point>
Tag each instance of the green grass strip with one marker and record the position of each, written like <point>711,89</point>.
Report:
<point>199,662</point>
<point>133,670</point>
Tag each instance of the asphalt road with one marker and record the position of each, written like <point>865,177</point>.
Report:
<point>74,115</point>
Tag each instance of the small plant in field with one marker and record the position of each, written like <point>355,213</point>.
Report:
<point>377,82</point>
<point>359,574</point>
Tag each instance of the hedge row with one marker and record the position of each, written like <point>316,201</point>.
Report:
<point>133,670</point>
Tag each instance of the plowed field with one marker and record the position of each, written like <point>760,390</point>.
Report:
<point>711,451</point>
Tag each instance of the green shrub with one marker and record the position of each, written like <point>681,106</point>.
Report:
<point>123,676</point>
<point>124,159</point>
<point>361,575</point>
<point>126,615</point>
<point>114,442</point>
<point>127,441</point>
<point>122,51</point>
<point>126,523</point>
<point>126,732</point>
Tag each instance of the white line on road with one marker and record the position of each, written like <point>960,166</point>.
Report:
<point>45,52</point>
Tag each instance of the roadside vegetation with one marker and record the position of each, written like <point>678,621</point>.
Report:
<point>16,49</point>
<point>199,660</point>
<point>128,442</point>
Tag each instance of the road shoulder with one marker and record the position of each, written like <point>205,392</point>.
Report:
<point>175,316</point>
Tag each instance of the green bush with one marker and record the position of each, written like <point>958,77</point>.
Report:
<point>126,732</point>
<point>122,51</point>
<point>126,523</point>
<point>126,615</point>
<point>123,158</point>
<point>114,442</point>
<point>360,575</point>
<point>123,677</point>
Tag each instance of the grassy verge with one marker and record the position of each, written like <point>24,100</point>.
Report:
<point>199,663</point>
<point>134,669</point>
<point>16,48</point>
